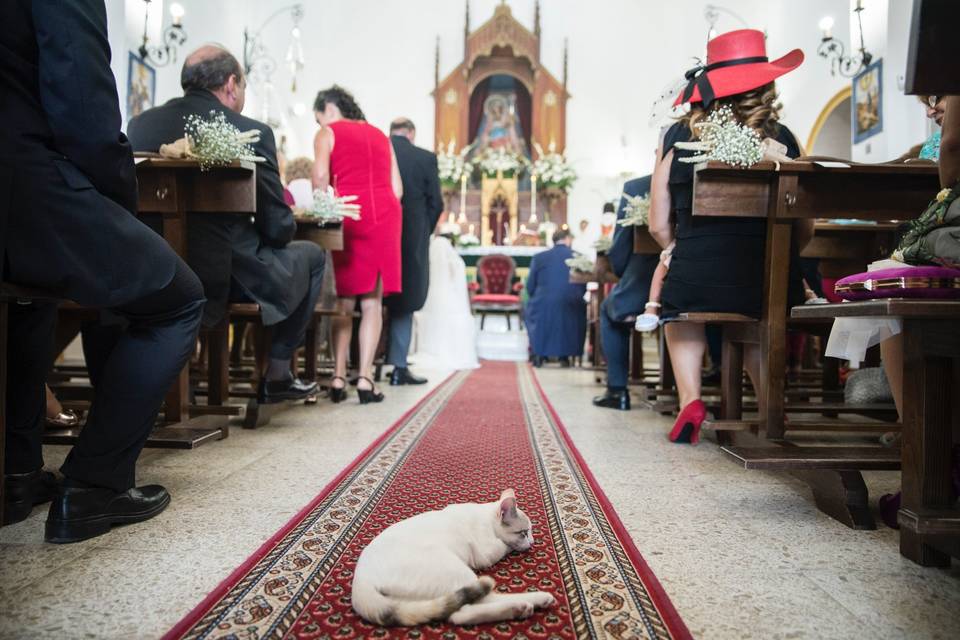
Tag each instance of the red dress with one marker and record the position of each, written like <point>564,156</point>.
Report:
<point>361,166</point>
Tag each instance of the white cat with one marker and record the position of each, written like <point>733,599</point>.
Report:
<point>421,569</point>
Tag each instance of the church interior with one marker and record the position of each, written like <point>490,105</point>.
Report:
<point>480,319</point>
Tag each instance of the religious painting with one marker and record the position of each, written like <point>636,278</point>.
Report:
<point>500,110</point>
<point>868,102</point>
<point>141,86</point>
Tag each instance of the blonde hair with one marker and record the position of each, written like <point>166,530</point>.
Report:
<point>757,109</point>
<point>297,168</point>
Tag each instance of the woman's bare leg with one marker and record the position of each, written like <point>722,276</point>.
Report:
<point>54,408</point>
<point>342,332</point>
<point>687,343</point>
<point>371,322</point>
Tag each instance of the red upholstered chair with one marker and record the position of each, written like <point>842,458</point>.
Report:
<point>496,292</point>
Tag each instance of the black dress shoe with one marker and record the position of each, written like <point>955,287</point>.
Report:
<point>538,361</point>
<point>403,375</point>
<point>272,391</point>
<point>23,491</point>
<point>79,513</point>
<point>614,400</point>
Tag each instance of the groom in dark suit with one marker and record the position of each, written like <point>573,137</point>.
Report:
<point>422,205</point>
<point>68,225</point>
<point>625,302</point>
<point>239,259</point>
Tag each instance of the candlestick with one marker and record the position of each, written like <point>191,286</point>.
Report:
<point>451,218</point>
<point>463,193</point>
<point>533,197</point>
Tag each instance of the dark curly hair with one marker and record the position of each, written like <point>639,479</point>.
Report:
<point>343,99</point>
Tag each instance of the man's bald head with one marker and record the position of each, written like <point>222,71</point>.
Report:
<point>212,68</point>
<point>209,67</point>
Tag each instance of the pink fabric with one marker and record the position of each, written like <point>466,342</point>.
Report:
<point>495,298</point>
<point>361,166</point>
<point>902,292</point>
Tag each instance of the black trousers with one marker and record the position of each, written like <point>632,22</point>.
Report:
<point>133,359</point>
<point>288,334</point>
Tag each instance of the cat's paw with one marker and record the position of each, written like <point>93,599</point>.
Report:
<point>541,599</point>
<point>521,610</point>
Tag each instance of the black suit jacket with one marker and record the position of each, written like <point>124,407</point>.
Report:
<point>68,189</point>
<point>422,205</point>
<point>251,251</point>
<point>632,292</point>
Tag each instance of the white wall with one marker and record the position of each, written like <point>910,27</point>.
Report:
<point>623,53</point>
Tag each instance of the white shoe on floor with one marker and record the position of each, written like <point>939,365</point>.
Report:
<point>647,322</point>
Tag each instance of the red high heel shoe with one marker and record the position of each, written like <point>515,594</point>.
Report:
<point>687,427</point>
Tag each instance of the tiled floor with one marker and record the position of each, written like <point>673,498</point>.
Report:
<point>742,554</point>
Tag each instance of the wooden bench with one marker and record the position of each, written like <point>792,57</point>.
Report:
<point>930,524</point>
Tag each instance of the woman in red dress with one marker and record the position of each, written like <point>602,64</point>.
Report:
<point>358,160</point>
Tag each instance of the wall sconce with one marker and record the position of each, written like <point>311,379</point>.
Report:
<point>173,36</point>
<point>833,51</point>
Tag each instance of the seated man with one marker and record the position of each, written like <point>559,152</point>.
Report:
<point>625,302</point>
<point>68,199</point>
<point>245,260</point>
<point>556,317</point>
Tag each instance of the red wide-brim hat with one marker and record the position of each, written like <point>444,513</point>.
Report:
<point>736,63</point>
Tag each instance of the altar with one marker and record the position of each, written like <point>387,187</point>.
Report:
<point>501,119</point>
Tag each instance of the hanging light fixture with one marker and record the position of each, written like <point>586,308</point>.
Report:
<point>833,51</point>
<point>258,64</point>
<point>173,36</point>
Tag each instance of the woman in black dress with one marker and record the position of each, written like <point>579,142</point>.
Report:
<point>717,263</point>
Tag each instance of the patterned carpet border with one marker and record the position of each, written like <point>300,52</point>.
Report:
<point>190,620</point>
<point>297,584</point>
<point>657,595</point>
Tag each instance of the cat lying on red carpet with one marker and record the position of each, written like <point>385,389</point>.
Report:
<point>421,569</point>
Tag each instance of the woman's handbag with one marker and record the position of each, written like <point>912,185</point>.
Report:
<point>934,237</point>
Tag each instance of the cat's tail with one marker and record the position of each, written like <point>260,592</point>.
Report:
<point>379,608</point>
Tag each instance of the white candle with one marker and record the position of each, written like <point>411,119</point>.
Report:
<point>533,198</point>
<point>472,228</point>
<point>463,194</point>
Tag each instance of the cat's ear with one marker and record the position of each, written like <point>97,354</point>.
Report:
<point>508,505</point>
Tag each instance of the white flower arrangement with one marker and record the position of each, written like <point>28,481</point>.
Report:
<point>723,139</point>
<point>468,240</point>
<point>452,166</point>
<point>499,161</point>
<point>328,207</point>
<point>579,263</point>
<point>636,211</point>
<point>603,244</point>
<point>553,170</point>
<point>215,142</point>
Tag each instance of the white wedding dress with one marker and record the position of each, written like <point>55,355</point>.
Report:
<point>445,330</point>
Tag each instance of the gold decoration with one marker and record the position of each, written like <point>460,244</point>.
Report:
<point>451,97</point>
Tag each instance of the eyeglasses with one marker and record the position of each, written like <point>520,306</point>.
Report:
<point>933,101</point>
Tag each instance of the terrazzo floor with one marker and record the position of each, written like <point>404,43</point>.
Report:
<point>743,554</point>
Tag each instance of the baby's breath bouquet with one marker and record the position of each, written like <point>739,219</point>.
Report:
<point>723,139</point>
<point>328,207</point>
<point>215,142</point>
<point>583,264</point>
<point>499,161</point>
<point>636,212</point>
<point>452,166</point>
<point>553,170</point>
<point>603,244</point>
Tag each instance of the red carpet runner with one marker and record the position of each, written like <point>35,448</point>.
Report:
<point>476,434</point>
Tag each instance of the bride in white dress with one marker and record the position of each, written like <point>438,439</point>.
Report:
<point>446,333</point>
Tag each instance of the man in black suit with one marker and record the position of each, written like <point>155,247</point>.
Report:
<point>422,205</point>
<point>68,199</point>
<point>239,259</point>
<point>625,302</point>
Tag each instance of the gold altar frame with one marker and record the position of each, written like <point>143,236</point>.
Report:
<point>490,189</point>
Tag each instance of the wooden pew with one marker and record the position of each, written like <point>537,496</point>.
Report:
<point>602,276</point>
<point>802,190</point>
<point>930,523</point>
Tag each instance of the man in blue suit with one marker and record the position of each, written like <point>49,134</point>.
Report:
<point>556,318</point>
<point>625,302</point>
